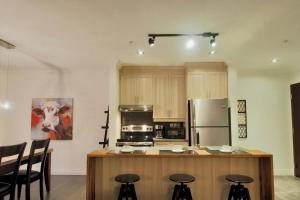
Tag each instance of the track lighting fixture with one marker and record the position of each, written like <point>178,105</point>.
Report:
<point>213,36</point>
<point>213,42</point>
<point>151,41</point>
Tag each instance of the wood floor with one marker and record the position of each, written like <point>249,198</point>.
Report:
<point>73,188</point>
<point>62,188</point>
<point>287,188</point>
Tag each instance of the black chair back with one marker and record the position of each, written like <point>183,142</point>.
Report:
<point>38,157</point>
<point>11,166</point>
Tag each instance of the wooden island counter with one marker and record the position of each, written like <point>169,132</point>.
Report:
<point>154,167</point>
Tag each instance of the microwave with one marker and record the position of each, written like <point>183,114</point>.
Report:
<point>174,130</point>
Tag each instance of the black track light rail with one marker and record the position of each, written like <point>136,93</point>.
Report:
<point>205,34</point>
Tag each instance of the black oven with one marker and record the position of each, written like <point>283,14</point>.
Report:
<point>174,130</point>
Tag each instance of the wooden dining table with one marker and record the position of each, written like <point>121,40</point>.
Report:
<point>47,171</point>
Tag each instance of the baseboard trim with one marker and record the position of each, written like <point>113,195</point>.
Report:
<point>284,172</point>
<point>68,172</point>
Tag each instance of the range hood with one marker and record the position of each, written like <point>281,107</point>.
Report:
<point>136,108</point>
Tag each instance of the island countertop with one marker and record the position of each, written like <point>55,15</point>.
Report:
<point>157,152</point>
<point>154,167</point>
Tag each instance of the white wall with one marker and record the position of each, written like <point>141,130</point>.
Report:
<point>115,120</point>
<point>89,89</point>
<point>295,78</point>
<point>2,89</point>
<point>232,96</point>
<point>269,117</point>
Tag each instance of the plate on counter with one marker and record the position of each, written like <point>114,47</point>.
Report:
<point>225,150</point>
<point>177,150</point>
<point>126,150</point>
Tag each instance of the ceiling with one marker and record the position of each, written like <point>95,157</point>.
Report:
<point>96,33</point>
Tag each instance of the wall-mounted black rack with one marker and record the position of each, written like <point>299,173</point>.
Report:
<point>106,127</point>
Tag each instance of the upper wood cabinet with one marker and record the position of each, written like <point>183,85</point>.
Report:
<point>164,88</point>
<point>168,89</point>
<point>207,81</point>
<point>177,96</point>
<point>169,97</point>
<point>136,89</point>
<point>216,85</point>
<point>161,97</point>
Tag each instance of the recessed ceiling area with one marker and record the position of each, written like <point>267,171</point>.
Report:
<point>97,33</point>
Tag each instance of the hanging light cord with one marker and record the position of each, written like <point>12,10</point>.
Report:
<point>7,74</point>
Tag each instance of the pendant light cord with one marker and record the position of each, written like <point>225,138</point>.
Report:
<point>7,74</point>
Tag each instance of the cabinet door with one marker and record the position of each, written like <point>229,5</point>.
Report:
<point>216,83</point>
<point>177,96</point>
<point>196,86</point>
<point>144,89</point>
<point>128,90</point>
<point>161,96</point>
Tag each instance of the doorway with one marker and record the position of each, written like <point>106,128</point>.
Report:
<point>295,98</point>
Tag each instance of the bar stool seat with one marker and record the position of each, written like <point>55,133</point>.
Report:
<point>236,178</point>
<point>181,191</point>
<point>182,178</point>
<point>127,178</point>
<point>239,191</point>
<point>127,189</point>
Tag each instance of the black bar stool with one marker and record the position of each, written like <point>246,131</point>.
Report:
<point>239,191</point>
<point>182,191</point>
<point>127,187</point>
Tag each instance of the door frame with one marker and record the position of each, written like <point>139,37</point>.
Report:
<point>293,125</point>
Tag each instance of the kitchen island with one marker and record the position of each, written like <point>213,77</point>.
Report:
<point>154,167</point>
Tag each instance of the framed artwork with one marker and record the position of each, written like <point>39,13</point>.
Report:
<point>52,118</point>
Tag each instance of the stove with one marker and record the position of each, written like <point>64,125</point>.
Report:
<point>136,126</point>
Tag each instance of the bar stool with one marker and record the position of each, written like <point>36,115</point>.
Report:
<point>127,187</point>
<point>239,191</point>
<point>181,191</point>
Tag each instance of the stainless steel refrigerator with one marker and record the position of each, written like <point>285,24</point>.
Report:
<point>209,122</point>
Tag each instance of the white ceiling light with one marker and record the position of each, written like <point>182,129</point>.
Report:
<point>140,52</point>
<point>212,52</point>
<point>190,44</point>
<point>5,105</point>
<point>275,60</point>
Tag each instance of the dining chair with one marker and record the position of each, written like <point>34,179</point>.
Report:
<point>26,177</point>
<point>10,167</point>
<point>37,155</point>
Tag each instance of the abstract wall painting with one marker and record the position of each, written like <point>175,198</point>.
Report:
<point>52,118</point>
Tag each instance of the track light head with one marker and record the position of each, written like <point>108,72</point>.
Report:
<point>151,41</point>
<point>213,42</point>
